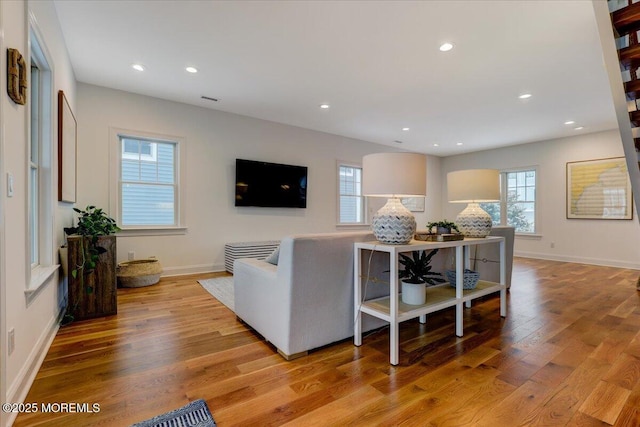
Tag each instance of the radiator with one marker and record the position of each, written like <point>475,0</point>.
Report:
<point>260,250</point>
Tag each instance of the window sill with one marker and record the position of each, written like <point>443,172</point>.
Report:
<point>165,231</point>
<point>39,277</point>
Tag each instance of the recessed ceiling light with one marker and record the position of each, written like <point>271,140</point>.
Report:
<point>525,96</point>
<point>458,143</point>
<point>436,145</point>
<point>579,128</point>
<point>405,129</point>
<point>325,106</point>
<point>445,47</point>
<point>138,67</point>
<point>192,70</point>
<point>569,122</point>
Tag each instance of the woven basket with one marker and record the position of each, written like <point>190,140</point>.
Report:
<point>469,281</point>
<point>138,273</point>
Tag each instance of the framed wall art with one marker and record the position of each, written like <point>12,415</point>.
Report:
<point>599,189</point>
<point>67,145</point>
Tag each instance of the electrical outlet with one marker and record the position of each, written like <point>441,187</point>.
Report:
<point>131,255</point>
<point>12,340</point>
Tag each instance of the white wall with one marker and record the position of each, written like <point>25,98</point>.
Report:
<point>603,242</point>
<point>214,139</point>
<point>34,319</point>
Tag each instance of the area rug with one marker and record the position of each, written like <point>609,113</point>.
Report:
<point>195,414</point>
<point>221,288</point>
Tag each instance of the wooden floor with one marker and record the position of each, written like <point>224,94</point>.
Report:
<point>568,353</point>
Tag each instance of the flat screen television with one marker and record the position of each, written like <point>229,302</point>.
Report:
<point>271,185</point>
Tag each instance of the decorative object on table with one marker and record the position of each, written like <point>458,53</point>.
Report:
<point>16,76</point>
<point>194,414</point>
<point>139,273</point>
<point>92,266</point>
<point>599,189</point>
<point>430,237</point>
<point>469,279</point>
<point>67,143</point>
<point>474,186</point>
<point>442,227</point>
<point>394,175</point>
<point>416,275</point>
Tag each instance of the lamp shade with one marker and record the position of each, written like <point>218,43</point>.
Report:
<point>473,185</point>
<point>394,175</point>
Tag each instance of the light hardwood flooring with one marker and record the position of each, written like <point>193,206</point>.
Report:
<point>568,353</point>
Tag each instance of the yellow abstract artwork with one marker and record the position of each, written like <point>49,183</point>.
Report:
<point>599,189</point>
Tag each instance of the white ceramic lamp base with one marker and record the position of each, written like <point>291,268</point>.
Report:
<point>473,221</point>
<point>394,224</point>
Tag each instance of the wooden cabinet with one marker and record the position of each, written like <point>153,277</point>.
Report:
<point>92,294</point>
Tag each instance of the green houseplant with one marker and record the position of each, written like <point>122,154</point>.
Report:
<point>88,257</point>
<point>444,226</point>
<point>416,275</point>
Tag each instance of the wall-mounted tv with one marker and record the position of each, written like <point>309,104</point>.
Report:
<point>270,185</point>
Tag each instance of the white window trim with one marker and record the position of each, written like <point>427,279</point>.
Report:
<point>114,187</point>
<point>365,219</point>
<point>41,273</point>
<point>503,201</point>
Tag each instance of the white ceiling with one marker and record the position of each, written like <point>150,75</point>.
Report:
<point>376,63</point>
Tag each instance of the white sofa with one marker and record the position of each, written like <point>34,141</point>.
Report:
<point>306,301</point>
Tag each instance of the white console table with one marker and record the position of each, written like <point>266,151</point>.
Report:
<point>439,297</point>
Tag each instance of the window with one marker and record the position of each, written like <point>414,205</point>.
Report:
<point>351,205</point>
<point>40,155</point>
<point>145,179</point>
<point>518,205</point>
<point>148,182</point>
<point>34,163</point>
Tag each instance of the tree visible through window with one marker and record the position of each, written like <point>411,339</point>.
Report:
<point>148,184</point>
<point>518,205</point>
<point>351,202</point>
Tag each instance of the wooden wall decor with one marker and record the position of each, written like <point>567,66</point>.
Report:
<point>16,76</point>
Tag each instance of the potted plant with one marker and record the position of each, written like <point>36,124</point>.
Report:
<point>443,227</point>
<point>416,275</point>
<point>91,259</point>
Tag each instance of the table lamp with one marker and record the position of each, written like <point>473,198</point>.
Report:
<point>474,186</point>
<point>394,175</point>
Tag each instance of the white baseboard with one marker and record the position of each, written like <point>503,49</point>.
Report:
<point>580,260</point>
<point>192,269</point>
<point>18,390</point>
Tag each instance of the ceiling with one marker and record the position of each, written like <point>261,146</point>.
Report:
<point>376,63</point>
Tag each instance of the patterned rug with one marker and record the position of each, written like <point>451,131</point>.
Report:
<point>195,414</point>
<point>221,288</point>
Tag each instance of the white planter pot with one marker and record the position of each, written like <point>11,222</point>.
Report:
<point>414,294</point>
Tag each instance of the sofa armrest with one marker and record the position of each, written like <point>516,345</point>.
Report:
<point>261,300</point>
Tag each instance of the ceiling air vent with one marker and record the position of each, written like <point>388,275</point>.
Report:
<point>208,98</point>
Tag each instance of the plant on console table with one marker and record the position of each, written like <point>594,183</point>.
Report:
<point>443,227</point>
<point>416,275</point>
<point>92,265</point>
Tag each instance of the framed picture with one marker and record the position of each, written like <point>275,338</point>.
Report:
<point>414,204</point>
<point>599,189</point>
<point>67,145</point>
